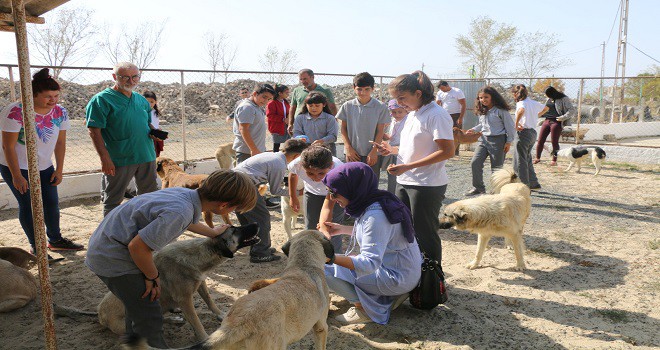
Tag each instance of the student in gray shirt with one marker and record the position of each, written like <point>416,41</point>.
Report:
<point>316,122</point>
<point>120,250</point>
<point>267,168</point>
<point>250,123</point>
<point>363,119</point>
<point>497,132</point>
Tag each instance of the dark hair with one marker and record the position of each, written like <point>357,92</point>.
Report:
<point>232,187</point>
<point>42,81</point>
<point>495,97</point>
<point>279,88</point>
<point>243,88</point>
<point>442,83</point>
<point>151,94</point>
<point>260,89</point>
<point>519,92</point>
<point>363,79</point>
<point>317,157</point>
<point>553,93</point>
<point>417,80</point>
<point>306,71</point>
<point>314,98</point>
<point>294,146</point>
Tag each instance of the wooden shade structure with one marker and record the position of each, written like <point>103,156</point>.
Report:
<point>14,15</point>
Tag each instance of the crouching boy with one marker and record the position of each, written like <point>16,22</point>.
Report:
<point>121,249</point>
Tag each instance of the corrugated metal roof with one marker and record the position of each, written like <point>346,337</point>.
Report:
<point>33,9</point>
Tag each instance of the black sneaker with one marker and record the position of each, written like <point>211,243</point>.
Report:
<point>535,187</point>
<point>65,244</point>
<point>272,203</point>
<point>264,259</point>
<point>474,192</point>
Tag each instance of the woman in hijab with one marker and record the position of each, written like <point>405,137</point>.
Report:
<point>388,266</point>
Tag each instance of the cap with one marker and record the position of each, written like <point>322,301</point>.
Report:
<point>303,137</point>
<point>393,105</point>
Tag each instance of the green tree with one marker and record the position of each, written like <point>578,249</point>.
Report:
<point>539,55</point>
<point>487,46</point>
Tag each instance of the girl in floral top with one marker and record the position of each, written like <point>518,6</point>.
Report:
<point>51,123</point>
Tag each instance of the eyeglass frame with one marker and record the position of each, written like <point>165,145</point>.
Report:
<point>136,77</point>
<point>333,194</point>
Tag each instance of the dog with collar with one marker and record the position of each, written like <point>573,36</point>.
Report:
<point>575,156</point>
<point>183,266</point>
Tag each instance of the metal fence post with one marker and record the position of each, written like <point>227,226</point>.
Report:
<point>580,98</point>
<point>183,119</point>
<point>12,88</point>
<point>641,101</point>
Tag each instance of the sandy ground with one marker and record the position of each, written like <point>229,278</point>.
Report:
<point>592,279</point>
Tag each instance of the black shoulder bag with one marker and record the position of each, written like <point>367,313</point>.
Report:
<point>431,291</point>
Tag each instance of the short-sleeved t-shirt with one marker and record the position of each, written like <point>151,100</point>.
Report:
<point>48,127</point>
<point>317,188</point>
<point>362,121</point>
<point>157,217</point>
<point>431,122</point>
<point>299,94</point>
<point>531,115</point>
<point>124,123</point>
<point>450,100</point>
<point>248,112</point>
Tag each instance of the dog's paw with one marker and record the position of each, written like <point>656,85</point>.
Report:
<point>472,265</point>
<point>520,267</point>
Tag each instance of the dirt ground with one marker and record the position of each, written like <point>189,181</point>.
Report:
<point>591,283</point>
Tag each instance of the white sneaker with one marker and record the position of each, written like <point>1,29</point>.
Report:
<point>352,316</point>
<point>399,300</point>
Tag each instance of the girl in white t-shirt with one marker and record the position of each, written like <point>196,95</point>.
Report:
<point>528,112</point>
<point>155,118</point>
<point>427,141</point>
<point>51,122</point>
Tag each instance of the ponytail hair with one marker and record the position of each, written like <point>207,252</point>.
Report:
<point>519,92</point>
<point>417,80</point>
<point>279,88</point>
<point>42,81</point>
<point>151,94</point>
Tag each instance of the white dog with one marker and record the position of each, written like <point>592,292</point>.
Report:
<point>289,216</point>
<point>576,155</point>
<point>502,214</point>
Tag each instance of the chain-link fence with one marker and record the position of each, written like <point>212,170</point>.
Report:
<point>195,103</point>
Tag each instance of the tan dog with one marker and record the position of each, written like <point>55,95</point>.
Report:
<point>183,266</point>
<point>225,155</point>
<point>18,257</point>
<point>18,286</point>
<point>173,176</point>
<point>502,214</point>
<point>461,138</point>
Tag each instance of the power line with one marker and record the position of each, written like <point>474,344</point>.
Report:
<point>614,22</point>
<point>573,53</point>
<point>644,53</point>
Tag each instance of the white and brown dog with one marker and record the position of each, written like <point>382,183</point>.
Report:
<point>575,156</point>
<point>289,216</point>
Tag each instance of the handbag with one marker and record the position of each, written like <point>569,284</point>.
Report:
<point>431,290</point>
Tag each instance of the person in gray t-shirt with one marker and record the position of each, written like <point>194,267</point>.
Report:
<point>121,249</point>
<point>250,123</point>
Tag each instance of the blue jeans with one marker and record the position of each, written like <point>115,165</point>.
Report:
<point>50,203</point>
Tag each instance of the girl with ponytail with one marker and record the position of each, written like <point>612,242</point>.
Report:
<point>427,141</point>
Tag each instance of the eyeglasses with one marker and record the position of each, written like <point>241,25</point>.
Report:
<point>129,77</point>
<point>333,194</point>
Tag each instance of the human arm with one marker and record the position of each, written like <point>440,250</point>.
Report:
<point>107,166</point>
<point>509,128</point>
<point>375,231</point>
<point>275,178</point>
<point>292,114</point>
<point>543,111</point>
<point>351,154</point>
<point>332,130</point>
<point>244,129</point>
<point>333,108</point>
<point>202,229</point>
<point>463,109</point>
<point>372,157</point>
<point>444,152</point>
<point>9,141</point>
<point>293,196</point>
<point>142,256</point>
<point>568,109</point>
<point>60,151</point>
<point>298,126</point>
<point>519,113</point>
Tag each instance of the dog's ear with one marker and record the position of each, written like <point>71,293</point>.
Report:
<point>159,165</point>
<point>285,248</point>
<point>328,250</point>
<point>460,216</point>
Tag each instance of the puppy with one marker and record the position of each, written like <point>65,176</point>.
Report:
<point>576,155</point>
<point>173,176</point>
<point>290,217</point>
<point>183,266</point>
<point>502,214</point>
<point>225,155</point>
<point>18,286</point>
<point>282,312</point>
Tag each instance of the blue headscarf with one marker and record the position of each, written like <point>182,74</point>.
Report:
<point>358,183</point>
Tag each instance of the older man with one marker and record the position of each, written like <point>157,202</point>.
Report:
<point>118,120</point>
<point>306,78</point>
<point>453,100</point>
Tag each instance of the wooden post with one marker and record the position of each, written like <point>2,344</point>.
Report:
<point>18,11</point>
<point>183,120</point>
<point>577,129</point>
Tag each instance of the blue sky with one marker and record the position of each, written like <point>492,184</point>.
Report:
<point>386,37</point>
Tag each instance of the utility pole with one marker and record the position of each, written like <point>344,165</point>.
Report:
<point>422,66</point>
<point>621,59</point>
<point>601,115</point>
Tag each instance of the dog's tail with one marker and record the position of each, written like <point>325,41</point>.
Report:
<point>71,312</point>
<point>501,177</point>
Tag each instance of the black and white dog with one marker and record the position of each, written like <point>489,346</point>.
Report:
<point>575,155</point>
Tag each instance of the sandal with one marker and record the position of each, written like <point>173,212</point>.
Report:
<point>536,161</point>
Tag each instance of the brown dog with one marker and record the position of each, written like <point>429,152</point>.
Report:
<point>173,176</point>
<point>461,138</point>
<point>18,286</point>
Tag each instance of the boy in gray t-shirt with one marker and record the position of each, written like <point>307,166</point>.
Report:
<point>121,249</point>
<point>363,119</point>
